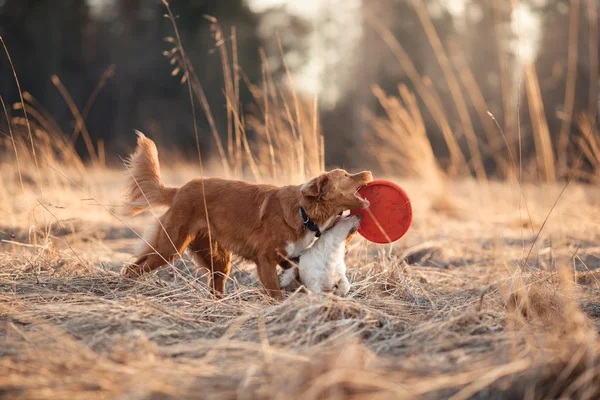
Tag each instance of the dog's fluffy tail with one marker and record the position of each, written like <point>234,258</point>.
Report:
<point>145,186</point>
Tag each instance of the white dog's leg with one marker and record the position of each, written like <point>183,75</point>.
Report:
<point>343,287</point>
<point>287,277</point>
<point>311,279</point>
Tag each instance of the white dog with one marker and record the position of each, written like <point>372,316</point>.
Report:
<point>321,267</point>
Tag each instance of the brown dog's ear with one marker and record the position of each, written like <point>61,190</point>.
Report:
<point>315,187</point>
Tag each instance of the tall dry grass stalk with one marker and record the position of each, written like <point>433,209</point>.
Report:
<point>280,139</point>
<point>426,92</point>
<point>569,104</point>
<point>452,81</point>
<point>51,141</point>
<point>17,82</point>
<point>401,143</point>
<point>495,141</point>
<point>592,14</point>
<point>499,14</point>
<point>546,163</point>
<point>288,144</point>
<point>182,66</point>
<point>553,157</point>
<point>77,130</point>
<point>52,146</point>
<point>80,124</point>
<point>285,142</point>
<point>589,145</point>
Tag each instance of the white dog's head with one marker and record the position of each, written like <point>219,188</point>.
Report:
<point>346,226</point>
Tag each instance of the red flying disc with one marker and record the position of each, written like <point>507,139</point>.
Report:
<point>390,214</point>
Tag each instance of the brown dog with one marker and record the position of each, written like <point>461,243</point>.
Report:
<point>264,224</point>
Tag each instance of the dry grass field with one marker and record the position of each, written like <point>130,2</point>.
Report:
<point>492,294</point>
<point>452,309</point>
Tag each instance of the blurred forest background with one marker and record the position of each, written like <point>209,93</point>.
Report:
<point>348,53</point>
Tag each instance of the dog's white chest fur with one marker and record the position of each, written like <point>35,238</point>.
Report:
<point>294,249</point>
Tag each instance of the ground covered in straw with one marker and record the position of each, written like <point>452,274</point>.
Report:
<point>452,309</point>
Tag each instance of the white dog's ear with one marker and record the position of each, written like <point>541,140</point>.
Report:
<point>315,187</point>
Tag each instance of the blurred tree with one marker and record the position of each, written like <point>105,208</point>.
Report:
<point>340,51</point>
<point>64,38</point>
<point>374,61</point>
<point>149,97</point>
<point>44,39</point>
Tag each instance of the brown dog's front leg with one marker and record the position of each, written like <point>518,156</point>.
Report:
<point>267,273</point>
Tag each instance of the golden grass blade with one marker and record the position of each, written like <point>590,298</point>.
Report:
<point>193,107</point>
<point>14,72</point>
<point>543,142</point>
<point>593,55</point>
<point>470,84</point>
<point>12,139</point>
<point>106,75</point>
<point>80,123</point>
<point>569,104</point>
<point>265,99</point>
<point>459,101</point>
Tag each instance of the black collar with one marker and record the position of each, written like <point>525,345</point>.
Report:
<point>309,223</point>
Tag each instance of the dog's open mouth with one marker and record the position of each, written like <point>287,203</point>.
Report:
<point>365,202</point>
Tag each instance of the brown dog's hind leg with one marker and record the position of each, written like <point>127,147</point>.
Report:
<point>167,244</point>
<point>221,262</point>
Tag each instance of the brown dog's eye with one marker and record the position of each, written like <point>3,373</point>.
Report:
<point>347,175</point>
